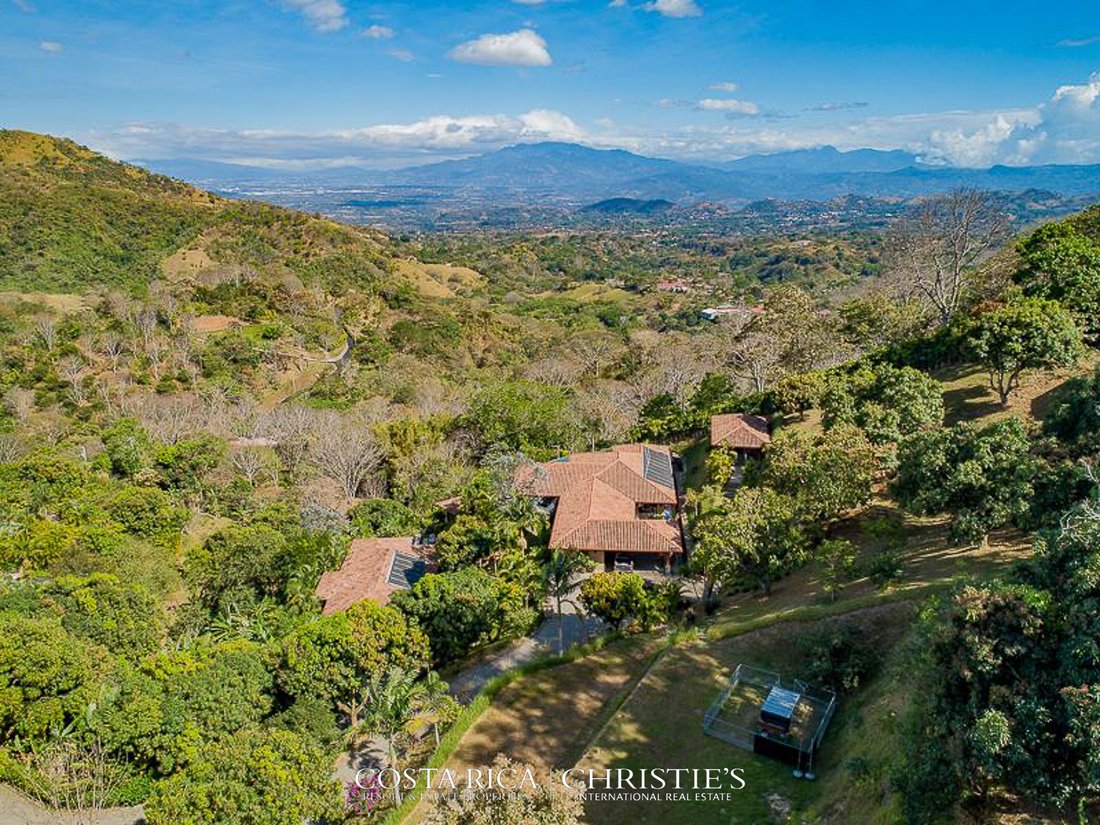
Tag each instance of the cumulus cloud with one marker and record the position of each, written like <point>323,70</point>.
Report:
<point>51,46</point>
<point>724,86</point>
<point>736,107</point>
<point>1064,129</point>
<point>323,15</point>
<point>377,32</point>
<point>519,48</point>
<point>675,8</point>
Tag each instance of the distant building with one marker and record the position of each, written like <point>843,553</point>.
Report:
<point>730,310</point>
<point>375,569</point>
<point>673,286</point>
<point>620,506</point>
<point>747,434</point>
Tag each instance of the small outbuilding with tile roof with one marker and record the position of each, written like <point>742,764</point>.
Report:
<point>747,434</point>
<point>374,569</point>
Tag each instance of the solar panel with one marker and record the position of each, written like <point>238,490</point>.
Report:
<point>657,466</point>
<point>406,570</point>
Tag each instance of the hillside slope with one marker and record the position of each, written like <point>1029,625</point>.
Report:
<point>71,219</point>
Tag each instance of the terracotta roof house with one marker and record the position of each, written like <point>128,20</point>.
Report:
<point>374,569</point>
<point>617,506</point>
<point>747,434</point>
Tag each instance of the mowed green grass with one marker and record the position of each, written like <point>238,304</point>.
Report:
<point>661,725</point>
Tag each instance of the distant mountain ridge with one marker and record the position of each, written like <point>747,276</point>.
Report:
<point>526,173</point>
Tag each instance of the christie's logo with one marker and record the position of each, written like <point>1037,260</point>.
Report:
<point>596,784</point>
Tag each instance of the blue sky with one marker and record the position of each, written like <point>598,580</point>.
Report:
<point>302,83</point>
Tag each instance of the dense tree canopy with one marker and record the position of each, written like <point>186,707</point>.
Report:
<point>886,402</point>
<point>983,476</point>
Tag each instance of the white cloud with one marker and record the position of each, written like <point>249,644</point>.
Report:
<point>519,48</point>
<point>552,124</point>
<point>724,86</point>
<point>837,106</point>
<point>1064,129</point>
<point>737,107</point>
<point>1077,42</point>
<point>404,55</point>
<point>323,15</point>
<point>377,32</point>
<point>529,2</point>
<point>51,46</point>
<point>675,8</point>
<point>387,144</point>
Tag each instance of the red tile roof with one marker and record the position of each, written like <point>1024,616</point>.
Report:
<point>740,431</point>
<point>598,497</point>
<point>365,573</point>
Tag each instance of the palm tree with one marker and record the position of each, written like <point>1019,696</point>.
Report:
<point>558,572</point>
<point>400,703</point>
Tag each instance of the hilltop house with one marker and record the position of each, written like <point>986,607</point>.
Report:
<point>620,506</point>
<point>375,569</point>
<point>746,434</point>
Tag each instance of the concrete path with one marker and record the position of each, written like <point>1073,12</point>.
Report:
<point>543,642</point>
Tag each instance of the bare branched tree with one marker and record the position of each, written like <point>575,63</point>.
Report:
<point>758,358</point>
<point>70,368</point>
<point>934,249</point>
<point>346,451</point>
<point>292,429</point>
<point>11,447</point>
<point>19,402</point>
<point>251,462</point>
<point>112,346</point>
<point>45,332</point>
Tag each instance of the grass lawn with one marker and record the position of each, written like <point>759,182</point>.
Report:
<point>967,396</point>
<point>661,725</point>
<point>929,561</point>
<point>549,717</point>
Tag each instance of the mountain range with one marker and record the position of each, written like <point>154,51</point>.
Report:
<point>530,173</point>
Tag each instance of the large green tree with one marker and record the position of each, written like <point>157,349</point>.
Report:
<point>827,475</point>
<point>1025,334</point>
<point>458,610</point>
<point>1061,262</point>
<point>753,536</point>
<point>886,402</point>
<point>984,476</point>
<point>333,657</point>
<point>254,777</point>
